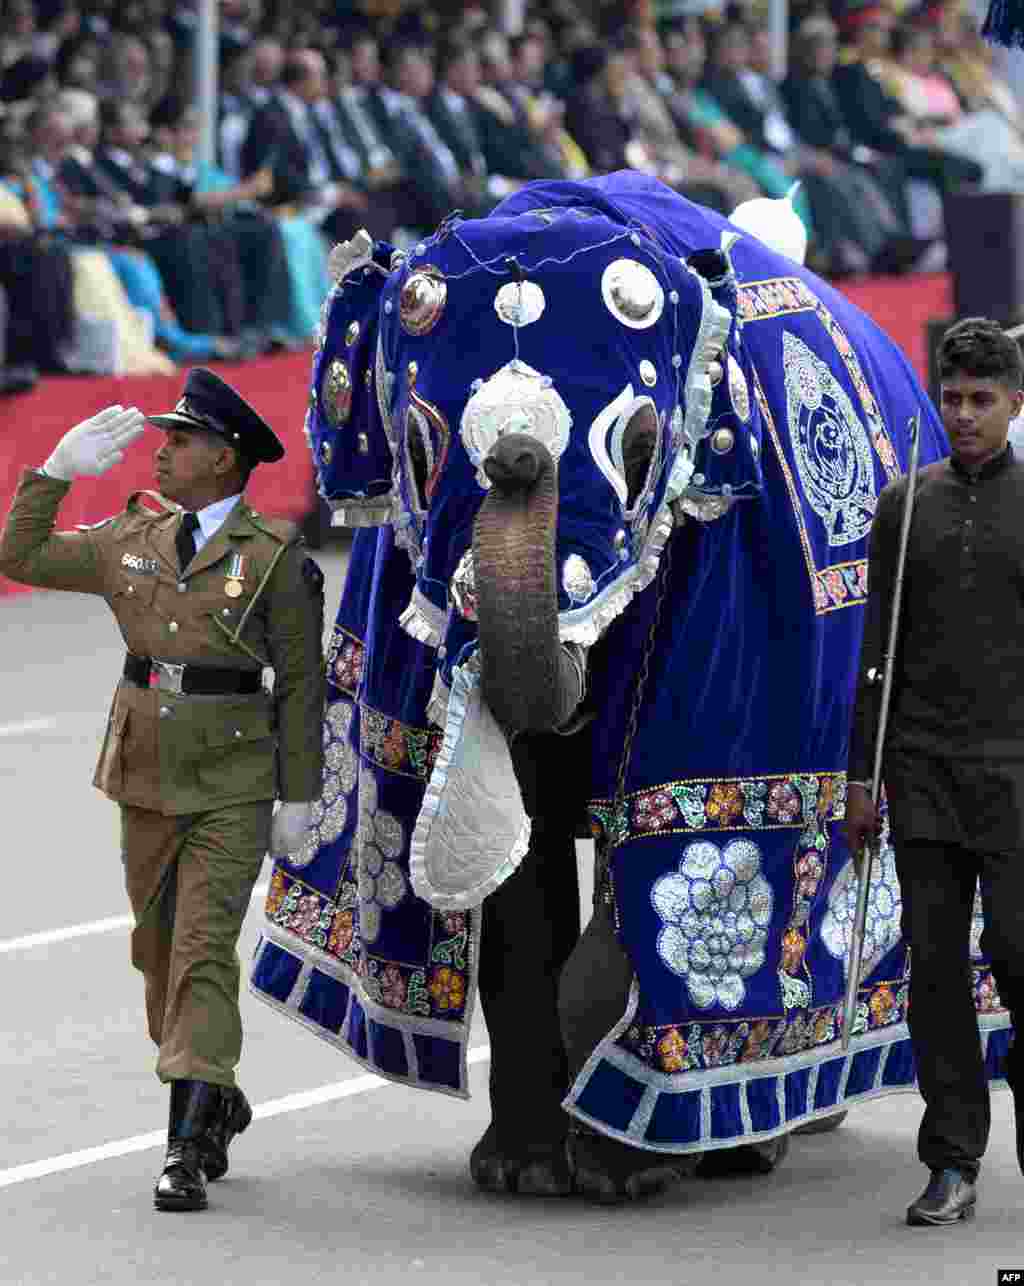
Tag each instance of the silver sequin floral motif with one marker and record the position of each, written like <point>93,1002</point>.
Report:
<point>382,882</point>
<point>330,811</point>
<point>715,912</point>
<point>577,579</point>
<point>882,927</point>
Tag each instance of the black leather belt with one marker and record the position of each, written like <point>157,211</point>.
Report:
<point>193,680</point>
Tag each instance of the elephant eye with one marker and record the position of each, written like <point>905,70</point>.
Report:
<point>639,443</point>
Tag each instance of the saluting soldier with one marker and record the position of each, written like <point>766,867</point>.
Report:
<point>207,593</point>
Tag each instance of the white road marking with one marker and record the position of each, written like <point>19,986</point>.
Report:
<point>157,1138</point>
<point>26,725</point>
<point>111,924</point>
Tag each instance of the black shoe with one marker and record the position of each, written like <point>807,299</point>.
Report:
<point>195,1106</point>
<point>948,1198</point>
<point>233,1116</point>
<point>182,1186</point>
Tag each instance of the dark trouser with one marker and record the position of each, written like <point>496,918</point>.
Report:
<point>189,881</point>
<point>263,269</point>
<point>937,882</point>
<point>36,274</point>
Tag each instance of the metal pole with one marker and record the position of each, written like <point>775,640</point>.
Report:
<point>868,856</point>
<point>206,55</point>
<point>778,30</point>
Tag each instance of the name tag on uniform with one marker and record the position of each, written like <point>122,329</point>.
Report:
<point>136,563</point>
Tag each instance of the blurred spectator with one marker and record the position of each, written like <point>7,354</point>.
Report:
<point>77,65</point>
<point>930,101</point>
<point>250,80</point>
<point>231,214</point>
<point>126,73</point>
<point>399,107</point>
<point>286,136</point>
<point>862,84</point>
<point>26,54</point>
<point>35,275</point>
<point>52,207</point>
<point>13,379</point>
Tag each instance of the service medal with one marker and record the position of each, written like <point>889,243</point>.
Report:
<point>234,576</point>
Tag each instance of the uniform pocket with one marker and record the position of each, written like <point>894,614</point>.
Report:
<point>236,757</point>
<point>110,771</point>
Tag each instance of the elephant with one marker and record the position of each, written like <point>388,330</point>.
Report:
<point>611,465</point>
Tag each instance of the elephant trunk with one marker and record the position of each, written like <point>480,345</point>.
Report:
<point>528,680</point>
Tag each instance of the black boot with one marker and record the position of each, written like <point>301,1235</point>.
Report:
<point>949,1197</point>
<point>182,1185</point>
<point>232,1116</point>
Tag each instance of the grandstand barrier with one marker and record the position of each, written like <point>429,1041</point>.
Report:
<point>278,387</point>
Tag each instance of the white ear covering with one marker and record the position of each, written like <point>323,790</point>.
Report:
<point>775,222</point>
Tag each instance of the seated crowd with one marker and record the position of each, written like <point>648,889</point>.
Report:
<point>121,249</point>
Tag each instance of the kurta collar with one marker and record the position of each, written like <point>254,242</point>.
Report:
<point>989,469</point>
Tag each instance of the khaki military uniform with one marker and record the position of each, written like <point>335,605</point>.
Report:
<point>195,776</point>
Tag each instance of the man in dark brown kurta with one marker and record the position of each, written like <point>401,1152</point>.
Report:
<point>953,766</point>
<point>207,592</point>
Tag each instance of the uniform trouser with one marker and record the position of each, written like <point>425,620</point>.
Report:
<point>937,882</point>
<point>189,882</point>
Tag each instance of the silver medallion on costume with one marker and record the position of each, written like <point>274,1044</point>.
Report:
<point>830,445</point>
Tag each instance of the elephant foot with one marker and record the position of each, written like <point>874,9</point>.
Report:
<point>532,1170</point>
<point>749,1158</point>
<point>610,1173</point>
<point>823,1124</point>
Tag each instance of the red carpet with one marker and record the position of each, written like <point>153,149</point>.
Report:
<point>278,388</point>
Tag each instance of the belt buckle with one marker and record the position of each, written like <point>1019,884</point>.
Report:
<point>167,676</point>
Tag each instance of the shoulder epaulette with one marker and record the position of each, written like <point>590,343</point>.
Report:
<point>279,529</point>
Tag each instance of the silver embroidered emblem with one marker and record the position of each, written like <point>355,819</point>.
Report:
<point>516,399</point>
<point>577,579</point>
<point>830,444</point>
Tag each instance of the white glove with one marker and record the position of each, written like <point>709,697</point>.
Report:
<point>289,828</point>
<point>95,445</point>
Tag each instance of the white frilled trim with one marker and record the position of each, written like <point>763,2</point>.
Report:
<point>472,831</point>
<point>423,621</point>
<point>357,511</point>
<point>349,256</point>
<point>586,624</point>
<point>437,706</point>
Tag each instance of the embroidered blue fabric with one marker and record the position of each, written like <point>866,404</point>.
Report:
<point>781,412</point>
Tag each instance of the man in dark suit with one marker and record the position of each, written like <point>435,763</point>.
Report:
<point>309,168</point>
<point>201,277</point>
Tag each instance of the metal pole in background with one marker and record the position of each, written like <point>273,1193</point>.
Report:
<point>206,67</point>
<point>778,30</point>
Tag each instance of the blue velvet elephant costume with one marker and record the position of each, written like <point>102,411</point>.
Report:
<point>707,588</point>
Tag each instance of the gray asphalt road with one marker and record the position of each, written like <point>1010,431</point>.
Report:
<point>359,1183</point>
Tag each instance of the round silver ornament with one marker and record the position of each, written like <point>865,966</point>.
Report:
<point>577,579</point>
<point>632,293</point>
<point>648,373</point>
<point>519,302</point>
<point>722,441</point>
<point>422,302</point>
<point>738,391</point>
